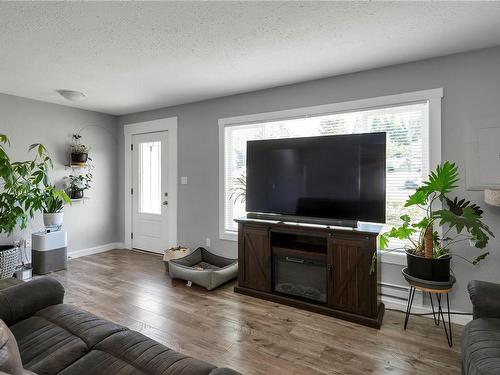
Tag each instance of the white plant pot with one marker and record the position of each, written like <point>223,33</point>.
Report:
<point>53,219</point>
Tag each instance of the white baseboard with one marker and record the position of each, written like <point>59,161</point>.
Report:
<point>397,304</point>
<point>95,250</point>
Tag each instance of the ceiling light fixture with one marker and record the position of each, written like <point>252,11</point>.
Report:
<point>71,95</point>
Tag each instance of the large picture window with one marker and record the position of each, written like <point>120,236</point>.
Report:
<point>406,125</point>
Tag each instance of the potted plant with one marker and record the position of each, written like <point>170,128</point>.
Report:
<point>79,152</point>
<point>428,251</point>
<point>78,184</point>
<point>53,201</point>
<point>19,196</point>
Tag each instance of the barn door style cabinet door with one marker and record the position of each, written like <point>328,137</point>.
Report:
<point>254,255</point>
<point>351,287</point>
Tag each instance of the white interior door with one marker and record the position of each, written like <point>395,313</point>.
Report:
<point>150,191</point>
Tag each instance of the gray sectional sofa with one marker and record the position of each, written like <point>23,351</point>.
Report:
<point>481,336</point>
<point>55,338</point>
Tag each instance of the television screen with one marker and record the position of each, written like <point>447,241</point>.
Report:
<point>339,177</point>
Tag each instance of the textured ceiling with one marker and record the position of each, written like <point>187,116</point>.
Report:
<point>134,56</point>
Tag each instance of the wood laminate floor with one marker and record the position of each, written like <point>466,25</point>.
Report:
<point>248,334</point>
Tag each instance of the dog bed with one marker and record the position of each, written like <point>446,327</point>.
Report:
<point>204,268</point>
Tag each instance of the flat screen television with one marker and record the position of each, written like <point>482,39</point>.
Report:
<point>337,179</point>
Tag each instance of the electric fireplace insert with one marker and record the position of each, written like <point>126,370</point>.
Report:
<point>300,275</point>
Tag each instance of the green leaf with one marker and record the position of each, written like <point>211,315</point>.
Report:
<point>405,218</point>
<point>383,241</point>
<point>373,264</point>
<point>470,220</point>
<point>480,258</point>
<point>456,206</point>
<point>443,180</point>
<point>404,232</point>
<point>4,139</point>
<point>422,224</point>
<point>418,198</point>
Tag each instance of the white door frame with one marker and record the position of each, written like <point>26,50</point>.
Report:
<point>166,124</point>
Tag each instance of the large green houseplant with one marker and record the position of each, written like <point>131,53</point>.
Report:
<point>24,187</point>
<point>429,249</point>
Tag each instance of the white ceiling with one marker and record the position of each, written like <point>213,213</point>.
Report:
<point>134,56</point>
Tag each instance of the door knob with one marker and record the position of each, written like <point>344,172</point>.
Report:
<point>165,203</point>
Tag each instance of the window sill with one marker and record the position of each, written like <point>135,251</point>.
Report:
<point>229,236</point>
<point>396,257</point>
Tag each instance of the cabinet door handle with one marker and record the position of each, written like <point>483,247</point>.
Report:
<point>330,271</point>
<point>294,260</point>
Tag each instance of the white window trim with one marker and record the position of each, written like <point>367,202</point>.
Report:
<point>165,124</point>
<point>432,96</point>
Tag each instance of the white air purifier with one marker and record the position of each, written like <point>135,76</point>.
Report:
<point>49,251</point>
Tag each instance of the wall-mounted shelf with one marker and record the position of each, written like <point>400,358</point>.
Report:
<point>76,165</point>
<point>80,199</point>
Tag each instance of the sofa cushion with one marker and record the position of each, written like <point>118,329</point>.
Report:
<point>88,327</point>
<point>58,335</point>
<point>100,363</point>
<point>45,347</point>
<point>130,352</point>
<point>481,347</point>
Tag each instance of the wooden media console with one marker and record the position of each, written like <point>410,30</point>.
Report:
<point>317,268</point>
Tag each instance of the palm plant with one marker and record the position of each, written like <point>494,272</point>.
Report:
<point>238,192</point>
<point>460,220</point>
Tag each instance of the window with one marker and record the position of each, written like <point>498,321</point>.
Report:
<point>150,178</point>
<point>408,151</point>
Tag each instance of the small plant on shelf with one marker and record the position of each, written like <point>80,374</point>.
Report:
<point>79,151</point>
<point>79,183</point>
<point>429,251</point>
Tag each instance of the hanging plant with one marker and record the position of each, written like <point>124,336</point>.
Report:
<point>79,151</point>
<point>78,183</point>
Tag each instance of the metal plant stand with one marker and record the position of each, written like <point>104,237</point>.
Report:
<point>432,287</point>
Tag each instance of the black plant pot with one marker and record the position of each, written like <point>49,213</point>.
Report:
<point>79,157</point>
<point>429,269</point>
<point>76,194</point>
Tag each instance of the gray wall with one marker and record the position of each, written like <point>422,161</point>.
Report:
<point>24,121</point>
<point>471,83</point>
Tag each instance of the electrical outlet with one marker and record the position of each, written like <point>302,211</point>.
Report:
<point>27,242</point>
<point>207,242</point>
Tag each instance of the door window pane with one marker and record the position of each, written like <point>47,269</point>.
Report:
<point>150,178</point>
